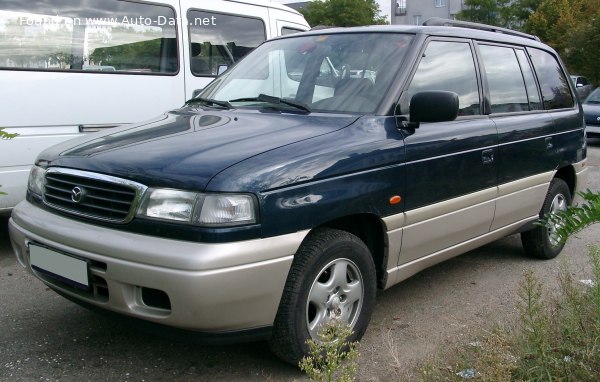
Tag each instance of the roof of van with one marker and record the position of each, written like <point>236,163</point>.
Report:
<point>447,31</point>
<point>267,3</point>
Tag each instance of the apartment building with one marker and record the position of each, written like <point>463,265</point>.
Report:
<point>414,12</point>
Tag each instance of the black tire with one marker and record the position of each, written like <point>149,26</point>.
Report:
<point>538,242</point>
<point>324,252</point>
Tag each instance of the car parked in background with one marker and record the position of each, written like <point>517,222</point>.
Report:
<point>591,112</point>
<point>582,85</point>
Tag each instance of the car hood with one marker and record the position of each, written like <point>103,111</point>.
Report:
<point>185,149</point>
<point>591,113</point>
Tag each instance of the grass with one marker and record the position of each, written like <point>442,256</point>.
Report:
<point>556,337</point>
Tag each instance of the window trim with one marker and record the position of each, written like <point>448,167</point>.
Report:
<point>476,64</point>
<point>189,30</point>
<point>161,74</point>
<point>570,84</point>
<point>488,93</point>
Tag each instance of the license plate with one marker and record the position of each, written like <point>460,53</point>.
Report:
<point>60,266</point>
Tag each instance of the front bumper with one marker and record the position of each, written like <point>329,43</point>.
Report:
<point>592,130</point>
<point>210,287</point>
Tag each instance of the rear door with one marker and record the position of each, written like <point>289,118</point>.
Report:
<point>524,129</point>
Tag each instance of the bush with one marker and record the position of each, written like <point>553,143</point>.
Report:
<point>556,338</point>
<point>333,358</point>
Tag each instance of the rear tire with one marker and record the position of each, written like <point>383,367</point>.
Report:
<point>539,242</point>
<point>332,277</point>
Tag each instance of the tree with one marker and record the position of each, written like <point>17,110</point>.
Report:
<point>572,28</point>
<point>343,13</point>
<point>491,12</point>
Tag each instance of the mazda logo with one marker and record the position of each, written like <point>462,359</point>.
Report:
<point>77,194</point>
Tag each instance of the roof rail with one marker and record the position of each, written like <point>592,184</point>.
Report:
<point>438,21</point>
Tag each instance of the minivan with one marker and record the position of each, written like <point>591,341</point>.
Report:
<point>72,67</point>
<point>323,166</point>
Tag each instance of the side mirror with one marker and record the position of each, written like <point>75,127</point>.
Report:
<point>433,106</point>
<point>221,69</point>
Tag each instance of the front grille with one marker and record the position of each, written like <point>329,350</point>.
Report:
<point>91,195</point>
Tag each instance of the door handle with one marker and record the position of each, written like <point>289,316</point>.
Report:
<point>487,156</point>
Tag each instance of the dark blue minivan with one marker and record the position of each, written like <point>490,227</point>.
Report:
<point>321,167</point>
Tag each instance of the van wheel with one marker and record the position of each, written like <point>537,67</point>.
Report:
<point>540,241</point>
<point>332,277</point>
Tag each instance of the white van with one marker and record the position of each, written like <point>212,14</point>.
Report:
<point>68,68</point>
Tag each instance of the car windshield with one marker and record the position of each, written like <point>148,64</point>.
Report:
<point>348,72</point>
<point>594,97</point>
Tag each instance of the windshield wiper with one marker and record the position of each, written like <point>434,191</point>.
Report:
<point>209,102</point>
<point>274,100</point>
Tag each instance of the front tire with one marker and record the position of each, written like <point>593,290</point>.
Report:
<point>332,277</point>
<point>540,241</point>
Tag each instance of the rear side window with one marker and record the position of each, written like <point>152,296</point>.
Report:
<point>504,78</point>
<point>220,39</point>
<point>556,93</point>
<point>447,66</point>
<point>88,35</point>
<point>532,91</point>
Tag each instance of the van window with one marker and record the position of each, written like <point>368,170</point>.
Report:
<point>447,66</point>
<point>532,91</point>
<point>88,35</point>
<point>287,30</point>
<point>220,39</point>
<point>504,78</point>
<point>553,82</point>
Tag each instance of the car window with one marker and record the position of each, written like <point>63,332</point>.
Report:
<point>447,66</point>
<point>88,35</point>
<point>556,93</point>
<point>594,97</point>
<point>288,30</point>
<point>533,94</point>
<point>220,39</point>
<point>330,73</point>
<point>504,78</point>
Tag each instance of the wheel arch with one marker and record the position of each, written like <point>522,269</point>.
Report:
<point>370,229</point>
<point>567,174</point>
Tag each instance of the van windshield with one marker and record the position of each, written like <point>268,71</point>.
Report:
<point>348,73</point>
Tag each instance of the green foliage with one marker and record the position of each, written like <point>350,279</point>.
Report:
<point>343,13</point>
<point>333,358</point>
<point>572,27</point>
<point>556,338</point>
<point>575,218</point>
<point>491,12</point>
<point>5,135</point>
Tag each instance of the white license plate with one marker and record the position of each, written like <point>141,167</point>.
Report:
<point>66,268</point>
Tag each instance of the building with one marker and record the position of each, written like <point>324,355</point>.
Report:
<point>414,12</point>
<point>407,12</point>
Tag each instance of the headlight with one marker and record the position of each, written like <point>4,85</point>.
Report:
<point>37,180</point>
<point>213,210</point>
<point>168,204</point>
